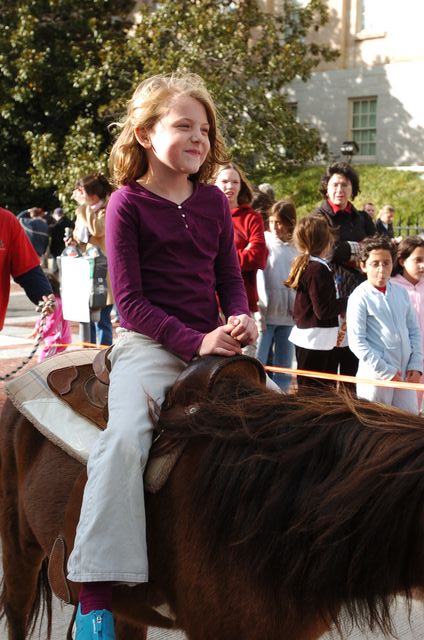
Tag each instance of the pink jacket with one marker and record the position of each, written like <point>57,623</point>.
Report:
<point>416,296</point>
<point>56,331</point>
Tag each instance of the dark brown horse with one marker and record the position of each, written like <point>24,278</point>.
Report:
<point>281,511</point>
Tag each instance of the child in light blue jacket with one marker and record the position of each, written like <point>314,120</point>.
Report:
<point>382,329</point>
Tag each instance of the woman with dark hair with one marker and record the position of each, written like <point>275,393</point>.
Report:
<point>92,194</point>
<point>340,186</point>
<point>248,229</point>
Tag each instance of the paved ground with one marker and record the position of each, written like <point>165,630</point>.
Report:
<point>13,347</point>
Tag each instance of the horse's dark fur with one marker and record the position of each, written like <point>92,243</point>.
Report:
<point>320,497</point>
<point>280,511</point>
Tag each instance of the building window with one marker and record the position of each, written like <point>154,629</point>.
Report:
<point>364,125</point>
<point>370,15</point>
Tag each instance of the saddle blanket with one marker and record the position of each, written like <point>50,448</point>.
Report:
<point>60,424</point>
<point>55,419</point>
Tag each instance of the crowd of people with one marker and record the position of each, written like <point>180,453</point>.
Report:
<point>200,262</point>
<point>287,266</point>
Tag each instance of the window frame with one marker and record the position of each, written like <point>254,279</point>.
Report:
<point>353,130</point>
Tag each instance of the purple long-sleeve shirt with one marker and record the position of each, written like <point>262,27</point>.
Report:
<point>168,263</point>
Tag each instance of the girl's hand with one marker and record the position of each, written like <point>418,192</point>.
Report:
<point>413,376</point>
<point>244,329</point>
<point>397,377</point>
<point>220,342</point>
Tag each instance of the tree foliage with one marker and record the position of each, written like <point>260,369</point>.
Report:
<point>67,68</point>
<point>59,69</point>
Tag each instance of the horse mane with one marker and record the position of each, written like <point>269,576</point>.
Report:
<point>318,497</point>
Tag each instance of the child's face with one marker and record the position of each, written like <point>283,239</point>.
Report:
<point>179,141</point>
<point>413,265</point>
<point>378,267</point>
<point>278,228</point>
<point>228,180</point>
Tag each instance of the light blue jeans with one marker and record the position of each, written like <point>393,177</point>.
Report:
<point>274,348</point>
<point>110,544</point>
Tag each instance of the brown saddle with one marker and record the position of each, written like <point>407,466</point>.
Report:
<point>85,388</point>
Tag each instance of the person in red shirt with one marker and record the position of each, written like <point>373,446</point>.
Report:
<point>248,224</point>
<point>19,260</point>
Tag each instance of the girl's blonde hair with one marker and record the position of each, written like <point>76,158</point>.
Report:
<point>150,101</point>
<point>386,209</point>
<point>311,236</point>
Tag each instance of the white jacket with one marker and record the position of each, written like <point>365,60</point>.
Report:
<point>275,299</point>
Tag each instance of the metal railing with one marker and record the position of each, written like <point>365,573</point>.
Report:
<point>411,230</point>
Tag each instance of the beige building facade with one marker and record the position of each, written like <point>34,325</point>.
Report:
<point>372,93</point>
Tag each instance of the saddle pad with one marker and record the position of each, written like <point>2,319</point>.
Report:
<point>60,424</point>
<point>32,396</point>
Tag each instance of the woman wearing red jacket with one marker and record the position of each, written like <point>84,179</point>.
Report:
<point>248,227</point>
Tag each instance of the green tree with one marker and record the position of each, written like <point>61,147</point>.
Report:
<point>60,67</point>
<point>247,57</point>
<point>67,68</point>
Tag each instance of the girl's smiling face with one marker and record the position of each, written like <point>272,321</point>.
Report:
<point>413,266</point>
<point>179,141</point>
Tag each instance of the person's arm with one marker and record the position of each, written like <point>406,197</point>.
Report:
<point>25,265</point>
<point>254,255</point>
<point>359,344</point>
<point>35,284</point>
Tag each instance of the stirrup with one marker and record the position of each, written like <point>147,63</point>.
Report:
<point>96,625</point>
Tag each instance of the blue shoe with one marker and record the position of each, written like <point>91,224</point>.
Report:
<point>96,625</point>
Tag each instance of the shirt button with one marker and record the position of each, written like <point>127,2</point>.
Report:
<point>179,206</point>
<point>183,215</point>
<point>186,226</point>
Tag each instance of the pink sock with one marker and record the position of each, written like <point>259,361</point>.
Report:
<point>95,596</point>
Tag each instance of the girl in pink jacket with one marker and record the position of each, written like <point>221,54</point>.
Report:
<point>409,273</point>
<point>57,332</point>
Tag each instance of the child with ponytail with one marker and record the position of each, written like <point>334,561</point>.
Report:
<point>316,306</point>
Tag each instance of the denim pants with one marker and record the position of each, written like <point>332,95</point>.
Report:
<point>100,332</point>
<point>274,348</point>
<point>110,544</point>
